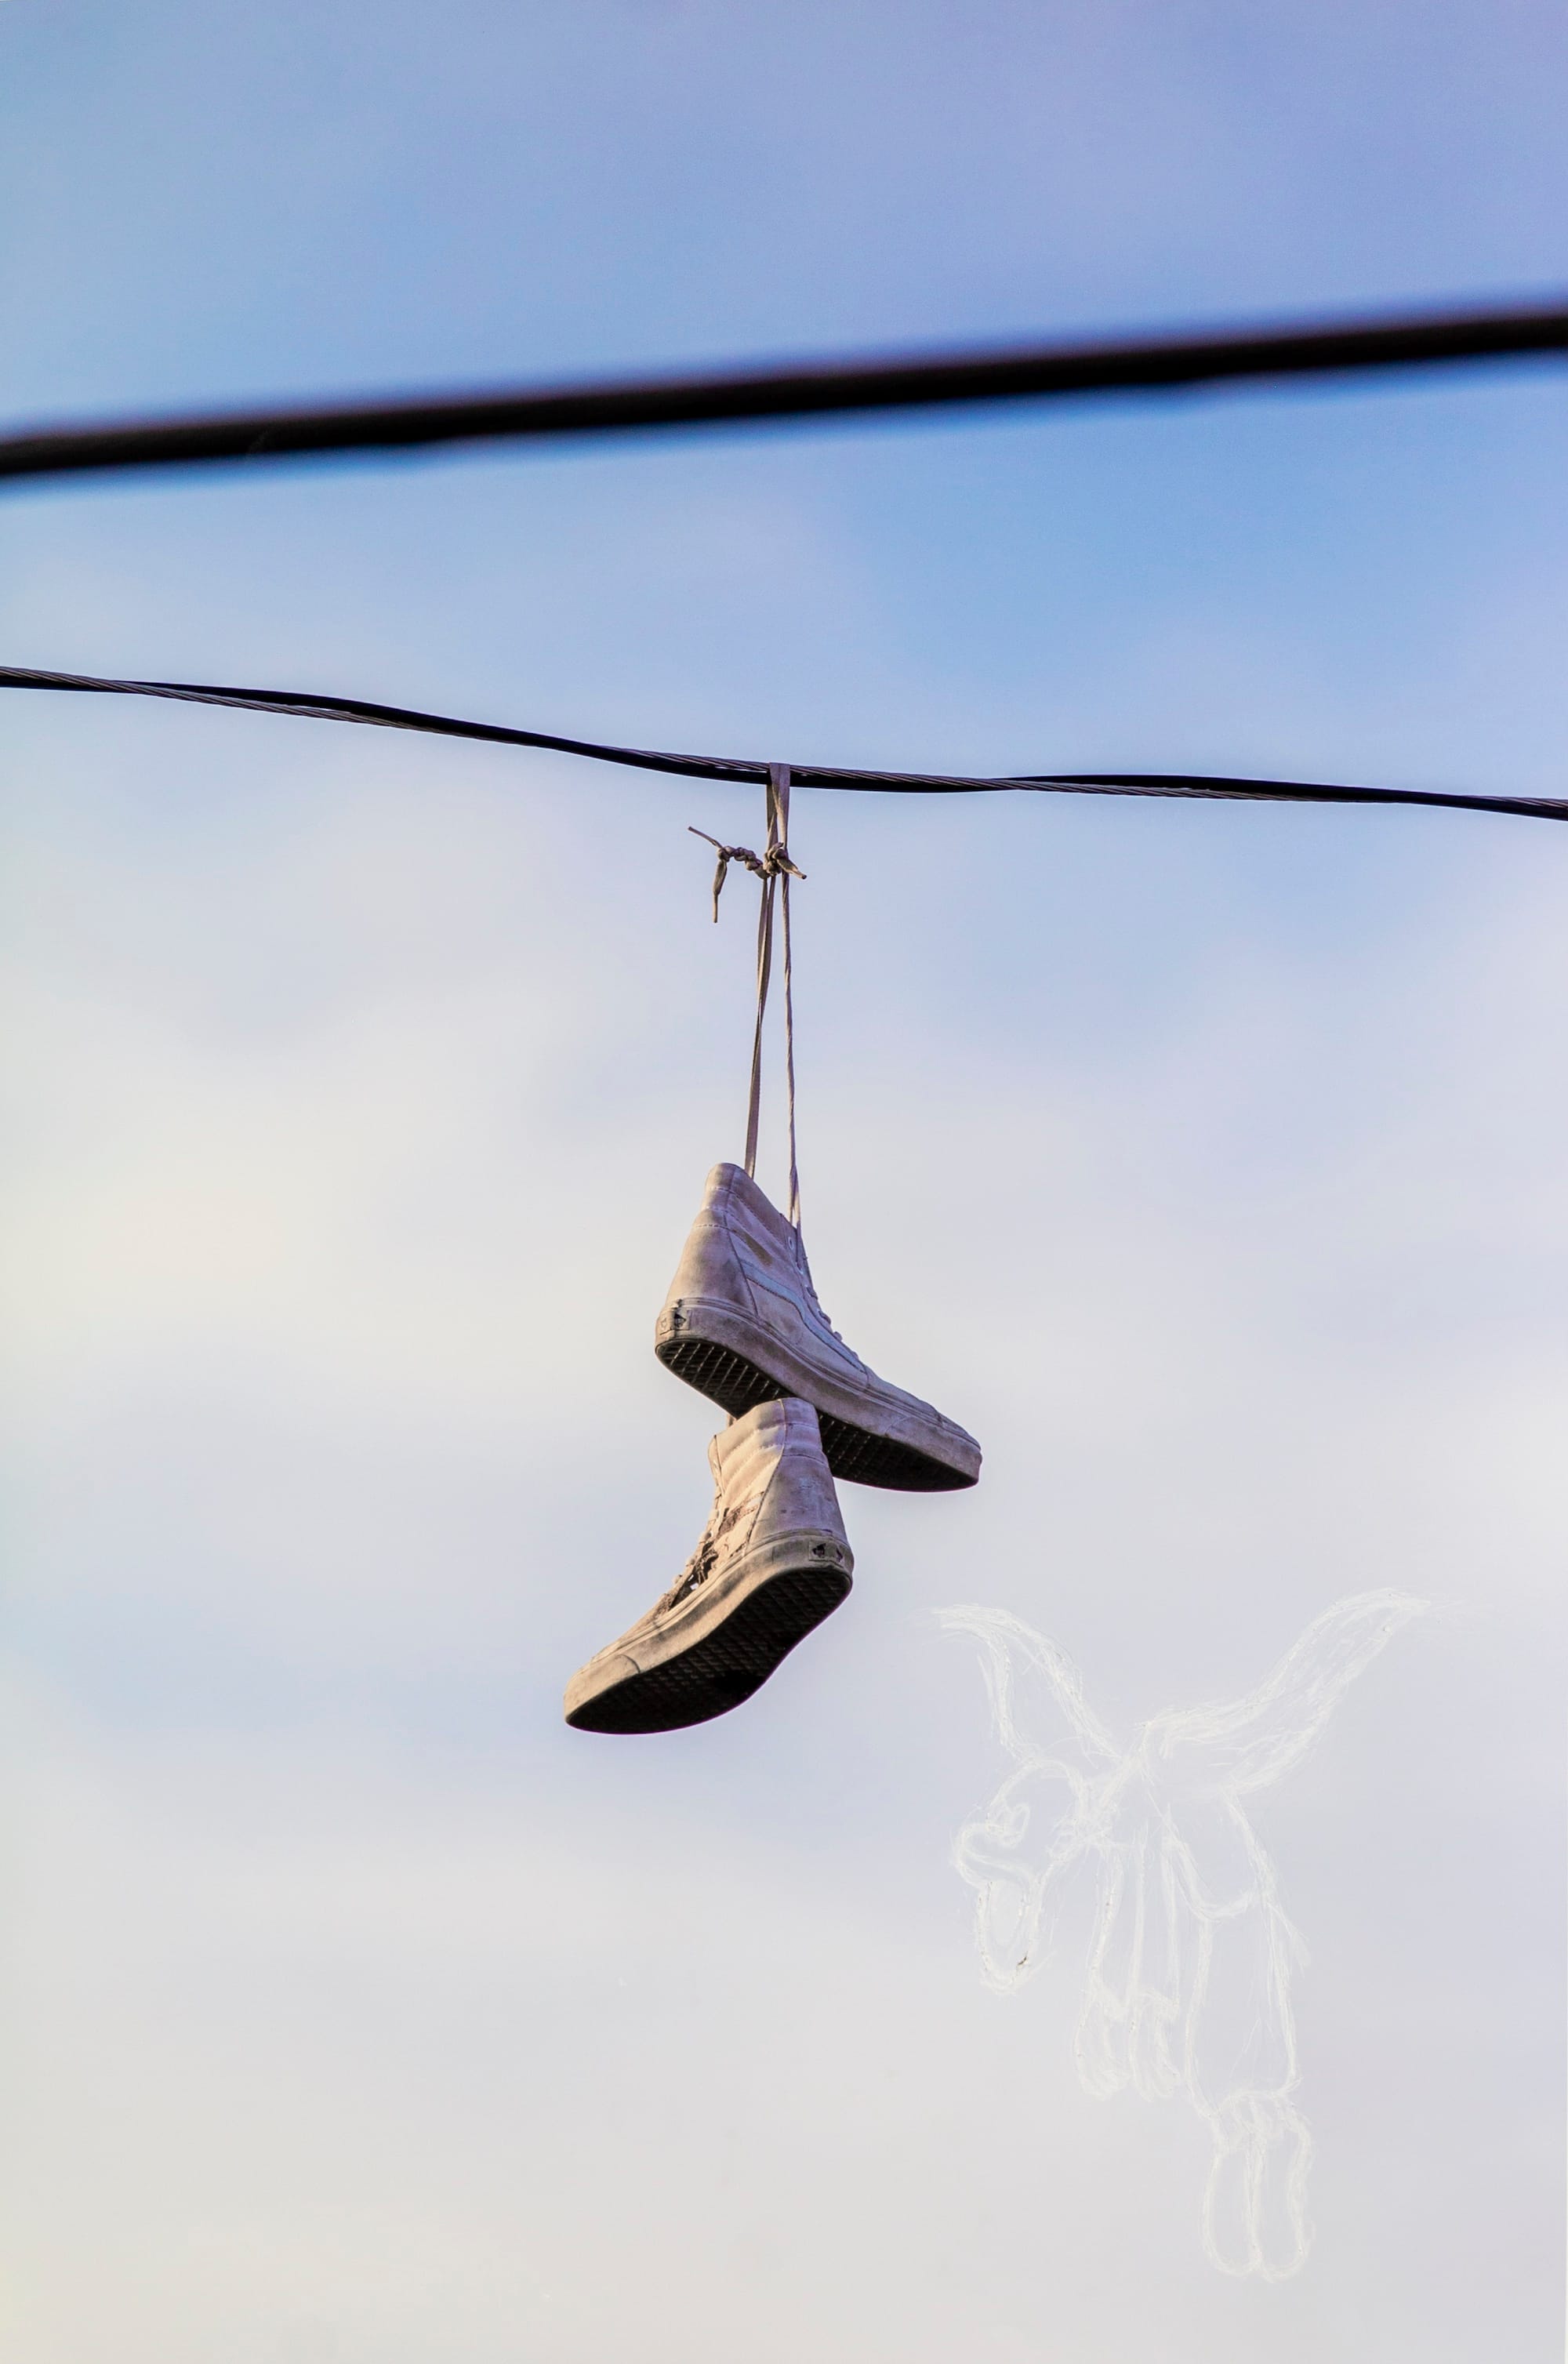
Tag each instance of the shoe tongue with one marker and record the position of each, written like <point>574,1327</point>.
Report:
<point>755,1431</point>
<point>752,1194</point>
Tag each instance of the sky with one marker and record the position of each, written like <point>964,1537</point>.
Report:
<point>1204,1160</point>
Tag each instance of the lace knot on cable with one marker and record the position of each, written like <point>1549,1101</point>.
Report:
<point>773,870</point>
<point>768,865</point>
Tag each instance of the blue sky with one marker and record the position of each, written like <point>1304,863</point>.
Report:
<point>1204,1160</point>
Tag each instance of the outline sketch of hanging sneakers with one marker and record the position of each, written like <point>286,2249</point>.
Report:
<point>742,1324</point>
<point>1187,1985</point>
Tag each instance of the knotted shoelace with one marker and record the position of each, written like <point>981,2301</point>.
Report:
<point>774,868</point>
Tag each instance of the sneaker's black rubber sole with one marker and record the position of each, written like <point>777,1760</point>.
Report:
<point>732,1381</point>
<point>726,1666</point>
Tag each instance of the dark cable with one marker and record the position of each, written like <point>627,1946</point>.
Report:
<point>801,390</point>
<point>307,704</point>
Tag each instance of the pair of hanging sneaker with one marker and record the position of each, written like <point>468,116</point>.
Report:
<point>742,1325</point>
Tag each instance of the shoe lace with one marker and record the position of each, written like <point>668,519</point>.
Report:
<point>698,1569</point>
<point>706,1557</point>
<point>810,1287</point>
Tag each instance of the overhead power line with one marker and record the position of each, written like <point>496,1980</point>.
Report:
<point>815,389</point>
<point>310,705</point>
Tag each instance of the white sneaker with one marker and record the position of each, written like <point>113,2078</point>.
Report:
<point>741,1323</point>
<point>773,1562</point>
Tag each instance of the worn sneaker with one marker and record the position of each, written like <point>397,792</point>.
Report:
<point>741,1323</point>
<point>773,1562</point>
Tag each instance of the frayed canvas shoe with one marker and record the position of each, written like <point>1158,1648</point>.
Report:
<point>741,1323</point>
<point>773,1562</point>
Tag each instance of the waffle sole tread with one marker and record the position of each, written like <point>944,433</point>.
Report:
<point>726,1666</point>
<point>855,1455</point>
